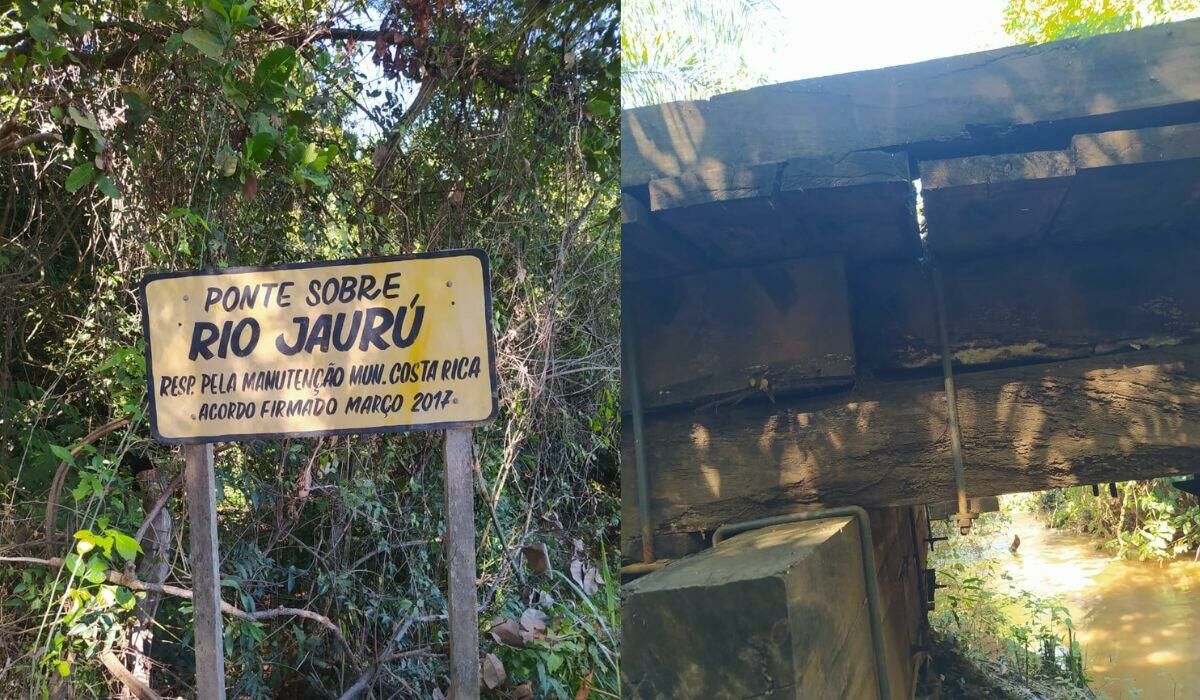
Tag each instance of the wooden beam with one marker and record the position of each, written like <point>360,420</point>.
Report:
<point>1045,303</point>
<point>772,613</point>
<point>1111,185</point>
<point>201,489</point>
<point>1013,99</point>
<point>650,248</point>
<point>861,205</point>
<point>982,203</point>
<point>1124,416</point>
<point>1132,183</point>
<point>741,331</point>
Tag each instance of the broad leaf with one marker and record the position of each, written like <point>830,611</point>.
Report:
<point>205,42</point>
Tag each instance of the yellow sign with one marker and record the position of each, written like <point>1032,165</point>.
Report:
<point>323,348</point>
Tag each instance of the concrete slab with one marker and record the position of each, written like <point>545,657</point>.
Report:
<point>773,613</point>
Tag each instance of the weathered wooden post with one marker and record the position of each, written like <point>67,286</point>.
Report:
<point>372,345</point>
<point>461,597</point>
<point>201,487</point>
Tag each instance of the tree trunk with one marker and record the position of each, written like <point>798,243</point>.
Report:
<point>152,567</point>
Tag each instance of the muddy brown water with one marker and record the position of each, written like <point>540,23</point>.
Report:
<point>1138,622</point>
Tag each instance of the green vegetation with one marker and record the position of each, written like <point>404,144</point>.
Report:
<point>1049,20</point>
<point>173,134</point>
<point>1022,639</point>
<point>690,49</point>
<point>1144,520</point>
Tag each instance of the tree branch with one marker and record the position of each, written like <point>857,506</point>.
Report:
<point>132,583</point>
<point>60,476</point>
<point>132,682</point>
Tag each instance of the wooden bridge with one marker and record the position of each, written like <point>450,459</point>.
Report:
<point>783,325</point>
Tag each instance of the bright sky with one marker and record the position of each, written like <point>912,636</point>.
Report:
<point>826,38</point>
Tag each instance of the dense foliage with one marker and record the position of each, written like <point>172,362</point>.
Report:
<point>1048,20</point>
<point>1145,520</point>
<point>1023,639</point>
<point>173,134</point>
<point>690,49</point>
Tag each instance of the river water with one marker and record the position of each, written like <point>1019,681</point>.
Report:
<point>1138,622</point>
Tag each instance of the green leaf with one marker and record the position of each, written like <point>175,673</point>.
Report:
<point>64,669</point>
<point>138,103</point>
<point>93,540</point>
<point>308,153</point>
<point>74,564</point>
<point>84,118</point>
<point>126,546</point>
<point>63,453</point>
<point>323,157</point>
<point>155,11</point>
<point>41,30</point>
<point>219,8</point>
<point>599,107</point>
<point>125,597</point>
<point>205,42</point>
<point>97,571</point>
<point>275,68</point>
<point>260,146</point>
<point>108,187</point>
<point>80,175</point>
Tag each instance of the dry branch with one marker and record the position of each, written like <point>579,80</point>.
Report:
<point>60,476</point>
<point>133,584</point>
<point>130,681</point>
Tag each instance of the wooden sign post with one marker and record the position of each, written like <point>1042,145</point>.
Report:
<point>201,489</point>
<point>461,596</point>
<point>371,345</point>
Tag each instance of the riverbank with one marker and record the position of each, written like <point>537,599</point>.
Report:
<point>1136,625</point>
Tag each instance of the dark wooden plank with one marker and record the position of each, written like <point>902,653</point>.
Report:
<point>861,205</point>
<point>960,105</point>
<point>767,329</point>
<point>1132,183</point>
<point>650,248</point>
<point>1117,184</point>
<point>1044,303</point>
<point>993,202</point>
<point>1107,418</point>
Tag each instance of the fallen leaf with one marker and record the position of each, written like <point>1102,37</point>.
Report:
<point>585,687</point>
<point>591,576</point>
<point>523,692</point>
<point>505,631</point>
<point>533,624</point>
<point>541,599</point>
<point>250,187</point>
<point>492,671</point>
<point>537,557</point>
<point>550,519</point>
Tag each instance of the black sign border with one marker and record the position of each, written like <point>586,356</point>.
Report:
<point>480,255</point>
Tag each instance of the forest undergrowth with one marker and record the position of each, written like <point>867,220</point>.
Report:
<point>138,137</point>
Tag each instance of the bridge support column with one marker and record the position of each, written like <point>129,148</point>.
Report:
<point>779,612</point>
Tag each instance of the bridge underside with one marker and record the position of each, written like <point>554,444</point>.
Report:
<point>780,302</point>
